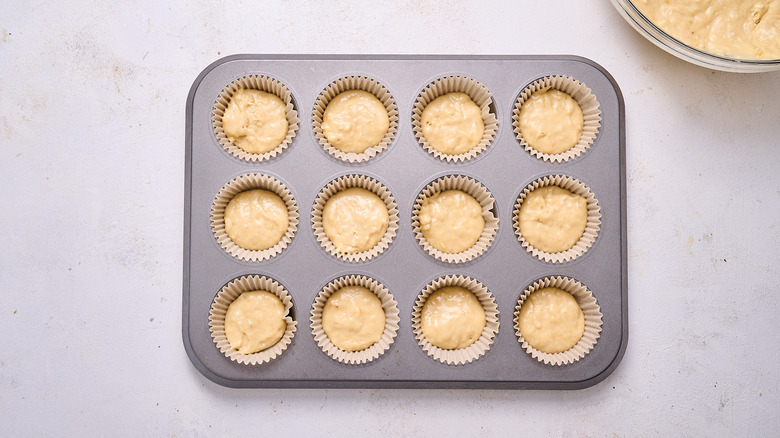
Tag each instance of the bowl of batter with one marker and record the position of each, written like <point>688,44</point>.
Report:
<point>728,35</point>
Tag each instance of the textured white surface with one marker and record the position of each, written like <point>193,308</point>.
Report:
<point>92,99</point>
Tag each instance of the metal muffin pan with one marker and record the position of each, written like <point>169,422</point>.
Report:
<point>304,268</point>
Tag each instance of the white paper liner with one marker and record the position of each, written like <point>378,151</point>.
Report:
<point>227,295</point>
<point>481,345</point>
<point>241,184</point>
<point>392,319</point>
<point>343,183</point>
<point>591,114</point>
<point>262,83</point>
<point>592,225</point>
<point>481,97</point>
<point>354,83</point>
<point>590,310</point>
<point>471,187</point>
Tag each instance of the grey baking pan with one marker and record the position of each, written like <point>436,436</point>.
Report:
<point>304,267</point>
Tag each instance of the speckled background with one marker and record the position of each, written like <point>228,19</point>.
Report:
<point>92,100</point>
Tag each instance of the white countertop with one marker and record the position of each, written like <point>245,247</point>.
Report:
<point>92,102</point>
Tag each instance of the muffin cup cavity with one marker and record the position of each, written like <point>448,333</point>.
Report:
<point>343,183</point>
<point>591,113</point>
<point>590,309</point>
<point>481,345</point>
<point>354,83</point>
<point>592,225</point>
<point>262,83</point>
<point>392,319</point>
<point>227,295</point>
<point>481,97</point>
<point>241,184</point>
<point>473,188</point>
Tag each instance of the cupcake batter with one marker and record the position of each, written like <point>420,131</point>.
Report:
<point>551,321</point>
<point>255,121</point>
<point>254,321</point>
<point>354,121</point>
<point>256,219</point>
<point>552,219</point>
<point>452,318</point>
<point>355,220</point>
<point>744,29</point>
<point>353,318</point>
<point>451,221</point>
<point>551,121</point>
<point>452,124</point>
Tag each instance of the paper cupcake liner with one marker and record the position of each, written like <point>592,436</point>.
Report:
<point>481,345</point>
<point>592,225</point>
<point>477,92</point>
<point>590,309</point>
<point>227,295</point>
<point>354,83</point>
<point>392,319</point>
<point>591,114</point>
<point>343,183</point>
<point>262,83</point>
<point>242,184</point>
<point>481,194</point>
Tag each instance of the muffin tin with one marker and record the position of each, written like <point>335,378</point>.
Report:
<point>304,267</point>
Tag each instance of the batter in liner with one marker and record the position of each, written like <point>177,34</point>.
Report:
<point>254,321</point>
<point>354,121</point>
<point>452,124</point>
<point>551,121</point>
<point>551,320</point>
<point>452,318</point>
<point>553,219</point>
<point>256,219</point>
<point>451,221</point>
<point>255,121</point>
<point>353,318</point>
<point>355,220</point>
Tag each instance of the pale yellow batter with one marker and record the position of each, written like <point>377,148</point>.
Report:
<point>354,121</point>
<point>552,219</point>
<point>353,318</point>
<point>452,124</point>
<point>255,121</point>
<point>452,318</point>
<point>744,29</point>
<point>551,321</point>
<point>256,219</point>
<point>254,321</point>
<point>551,121</point>
<point>451,221</point>
<point>355,220</point>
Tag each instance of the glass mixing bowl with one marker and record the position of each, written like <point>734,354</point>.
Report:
<point>686,52</point>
